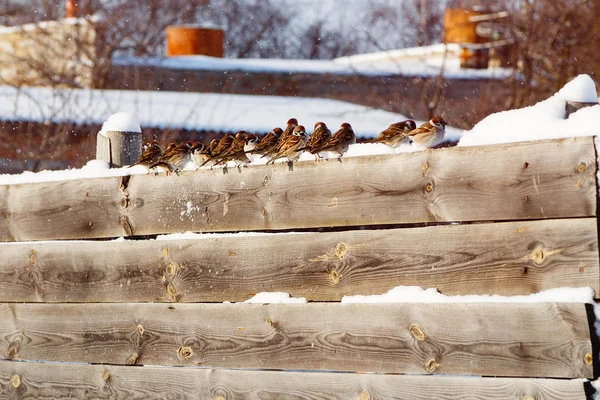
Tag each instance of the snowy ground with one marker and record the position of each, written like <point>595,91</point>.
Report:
<point>419,61</point>
<point>193,111</point>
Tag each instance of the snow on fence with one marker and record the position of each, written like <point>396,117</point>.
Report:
<point>512,219</point>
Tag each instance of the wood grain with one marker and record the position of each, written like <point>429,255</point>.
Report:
<point>116,382</point>
<point>512,258</point>
<point>489,339</point>
<point>519,181</point>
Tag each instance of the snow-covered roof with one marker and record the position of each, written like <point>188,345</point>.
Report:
<point>192,111</point>
<point>417,61</point>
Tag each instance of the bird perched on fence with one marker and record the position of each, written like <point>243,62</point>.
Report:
<point>290,146</point>
<point>151,154</point>
<point>319,137</point>
<point>340,140</point>
<point>395,134</point>
<point>199,153</point>
<point>175,157</point>
<point>252,140</point>
<point>268,143</point>
<point>289,129</point>
<point>429,134</point>
<point>222,146</point>
<point>236,151</point>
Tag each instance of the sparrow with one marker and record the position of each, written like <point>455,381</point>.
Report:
<point>199,153</point>
<point>252,140</point>
<point>289,129</point>
<point>429,134</point>
<point>221,147</point>
<point>235,152</point>
<point>268,143</point>
<point>319,137</point>
<point>340,140</point>
<point>175,157</point>
<point>290,147</point>
<point>395,134</point>
<point>151,154</point>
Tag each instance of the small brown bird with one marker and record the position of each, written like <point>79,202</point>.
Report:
<point>199,153</point>
<point>236,151</point>
<point>268,143</point>
<point>429,134</point>
<point>395,134</point>
<point>252,140</point>
<point>175,157</point>
<point>290,147</point>
<point>151,154</point>
<point>319,137</point>
<point>340,140</point>
<point>222,146</point>
<point>289,129</point>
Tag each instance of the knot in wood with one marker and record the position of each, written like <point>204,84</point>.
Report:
<point>429,187</point>
<point>165,251</point>
<point>132,360</point>
<point>432,365</point>
<point>525,165</point>
<point>528,398</point>
<point>32,257</point>
<point>106,375</point>
<point>538,256</point>
<point>220,397</point>
<point>140,329</point>
<point>589,360</point>
<point>581,168</point>
<point>418,332</point>
<point>185,352</point>
<point>364,395</point>
<point>269,322</point>
<point>425,168</point>
<point>341,250</point>
<point>15,380</point>
<point>335,277</point>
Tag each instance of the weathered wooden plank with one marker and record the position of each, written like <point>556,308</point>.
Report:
<point>490,339</point>
<point>518,181</point>
<point>27,380</point>
<point>512,258</point>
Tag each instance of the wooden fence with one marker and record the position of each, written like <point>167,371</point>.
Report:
<point>509,220</point>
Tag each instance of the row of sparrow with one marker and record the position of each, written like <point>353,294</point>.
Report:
<point>244,147</point>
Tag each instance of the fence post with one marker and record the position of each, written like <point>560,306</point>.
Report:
<point>120,141</point>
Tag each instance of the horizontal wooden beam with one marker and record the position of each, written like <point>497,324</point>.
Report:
<point>518,181</point>
<point>39,380</point>
<point>488,339</point>
<point>512,258</point>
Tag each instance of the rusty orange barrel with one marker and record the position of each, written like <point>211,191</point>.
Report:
<point>186,40</point>
<point>459,28</point>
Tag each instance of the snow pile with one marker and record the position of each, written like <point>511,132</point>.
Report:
<point>545,120</point>
<point>275,298</point>
<point>121,122</point>
<point>93,169</point>
<point>416,294</point>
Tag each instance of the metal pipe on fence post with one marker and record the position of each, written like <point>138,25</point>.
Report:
<point>119,143</point>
